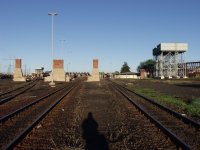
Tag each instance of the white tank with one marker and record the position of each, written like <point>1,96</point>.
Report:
<point>170,47</point>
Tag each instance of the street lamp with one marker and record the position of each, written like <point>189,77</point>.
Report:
<point>52,14</point>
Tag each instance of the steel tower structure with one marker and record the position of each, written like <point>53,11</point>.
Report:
<point>169,60</point>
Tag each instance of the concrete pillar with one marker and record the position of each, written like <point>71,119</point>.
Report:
<point>143,74</point>
<point>95,71</point>
<point>58,71</point>
<point>18,76</point>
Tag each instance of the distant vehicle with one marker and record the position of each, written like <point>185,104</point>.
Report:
<point>28,78</point>
<point>46,74</point>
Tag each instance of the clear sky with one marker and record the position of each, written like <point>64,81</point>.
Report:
<point>113,31</point>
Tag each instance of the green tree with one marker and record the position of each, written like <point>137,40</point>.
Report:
<point>125,68</point>
<point>148,65</point>
<point>116,72</point>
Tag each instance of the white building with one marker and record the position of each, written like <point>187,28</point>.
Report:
<point>126,75</point>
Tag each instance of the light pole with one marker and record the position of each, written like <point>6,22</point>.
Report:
<point>52,14</point>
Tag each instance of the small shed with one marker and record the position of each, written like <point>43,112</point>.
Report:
<point>39,72</point>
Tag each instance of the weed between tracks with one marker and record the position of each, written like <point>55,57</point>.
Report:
<point>190,107</point>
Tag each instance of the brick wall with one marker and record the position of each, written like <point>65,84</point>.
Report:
<point>95,63</point>
<point>18,63</point>
<point>58,63</point>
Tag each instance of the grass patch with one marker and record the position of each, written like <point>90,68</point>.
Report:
<point>192,109</point>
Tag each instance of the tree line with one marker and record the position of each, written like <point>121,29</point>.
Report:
<point>148,66</point>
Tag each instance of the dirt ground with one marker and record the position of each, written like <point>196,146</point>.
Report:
<point>184,89</point>
<point>97,108</point>
<point>96,117</point>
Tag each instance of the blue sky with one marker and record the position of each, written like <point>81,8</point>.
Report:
<point>113,31</point>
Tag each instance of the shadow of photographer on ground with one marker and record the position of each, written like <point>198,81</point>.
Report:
<point>93,139</point>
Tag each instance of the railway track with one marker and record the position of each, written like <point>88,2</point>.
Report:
<point>16,125</point>
<point>123,128</point>
<point>37,92</point>
<point>50,133</point>
<point>11,94</point>
<point>184,132</point>
<point>27,105</point>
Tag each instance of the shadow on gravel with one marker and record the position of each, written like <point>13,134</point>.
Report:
<point>93,139</point>
<point>189,85</point>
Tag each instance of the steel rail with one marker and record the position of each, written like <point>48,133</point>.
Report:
<point>179,143</point>
<point>10,91</point>
<point>7,99</point>
<point>23,134</point>
<point>167,109</point>
<point>8,116</point>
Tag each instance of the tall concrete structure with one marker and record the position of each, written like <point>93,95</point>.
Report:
<point>169,60</point>
<point>18,75</point>
<point>143,74</point>
<point>95,71</point>
<point>58,71</point>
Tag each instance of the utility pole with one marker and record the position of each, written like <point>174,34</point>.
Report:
<point>52,14</point>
